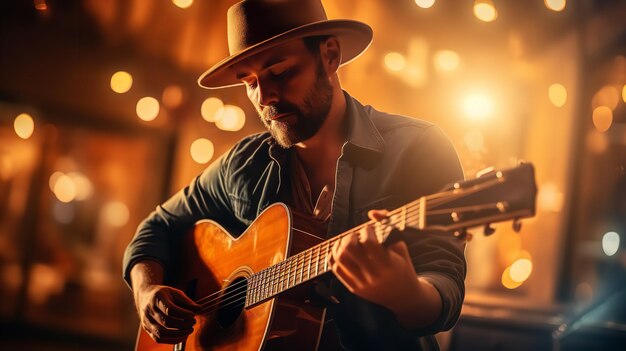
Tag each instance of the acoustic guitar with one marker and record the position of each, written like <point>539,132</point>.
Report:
<point>255,288</point>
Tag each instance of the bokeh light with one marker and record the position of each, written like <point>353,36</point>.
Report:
<point>485,11</point>
<point>115,213</point>
<point>507,281</point>
<point>202,150</point>
<point>557,94</point>
<point>624,93</point>
<point>447,60</point>
<point>395,61</point>
<point>83,185</point>
<point>64,188</point>
<point>610,243</point>
<point>209,109</point>
<point>597,142</point>
<point>147,108</point>
<point>555,5</point>
<point>425,4</point>
<point>550,198</point>
<point>63,213</point>
<point>607,96</point>
<point>231,118</point>
<point>602,118</point>
<point>183,4</point>
<point>521,269</point>
<point>477,106</point>
<point>121,82</point>
<point>24,125</point>
<point>172,96</point>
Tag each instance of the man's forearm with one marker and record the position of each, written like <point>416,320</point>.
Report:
<point>421,307</point>
<point>145,273</point>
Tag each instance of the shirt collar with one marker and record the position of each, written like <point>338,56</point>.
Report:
<point>364,140</point>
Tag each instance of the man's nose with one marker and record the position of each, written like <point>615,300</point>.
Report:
<point>267,92</point>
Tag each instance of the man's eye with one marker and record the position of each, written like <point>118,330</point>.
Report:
<point>280,74</point>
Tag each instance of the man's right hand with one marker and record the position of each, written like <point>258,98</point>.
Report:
<point>165,313</point>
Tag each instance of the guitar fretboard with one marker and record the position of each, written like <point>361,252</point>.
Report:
<point>314,261</point>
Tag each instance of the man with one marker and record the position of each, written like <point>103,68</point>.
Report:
<point>324,154</point>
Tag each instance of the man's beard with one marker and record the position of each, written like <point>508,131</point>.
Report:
<point>309,117</point>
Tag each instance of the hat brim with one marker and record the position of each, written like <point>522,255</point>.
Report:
<point>354,38</point>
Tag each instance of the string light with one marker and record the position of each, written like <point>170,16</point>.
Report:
<point>610,243</point>
<point>230,118</point>
<point>607,96</point>
<point>183,4</point>
<point>602,118</point>
<point>555,5</point>
<point>209,109</point>
<point>557,94</point>
<point>202,150</point>
<point>121,82</point>
<point>485,11</point>
<point>447,60</point>
<point>24,125</point>
<point>425,4</point>
<point>172,96</point>
<point>395,61</point>
<point>147,108</point>
<point>115,213</point>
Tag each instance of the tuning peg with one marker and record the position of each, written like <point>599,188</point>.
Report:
<point>484,172</point>
<point>488,230</point>
<point>517,225</point>
<point>463,235</point>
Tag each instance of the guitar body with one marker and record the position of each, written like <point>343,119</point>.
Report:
<point>213,261</point>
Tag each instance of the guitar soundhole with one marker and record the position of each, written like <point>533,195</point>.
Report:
<point>232,302</point>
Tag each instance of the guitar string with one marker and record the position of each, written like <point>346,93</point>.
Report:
<point>300,260</point>
<point>268,286</point>
<point>409,207</point>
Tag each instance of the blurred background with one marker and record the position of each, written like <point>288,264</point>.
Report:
<point>101,119</point>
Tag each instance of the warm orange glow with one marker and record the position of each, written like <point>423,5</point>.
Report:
<point>607,96</point>
<point>624,93</point>
<point>83,185</point>
<point>172,96</point>
<point>231,118</point>
<point>602,118</point>
<point>555,5</point>
<point>474,140</point>
<point>64,188</point>
<point>477,106</point>
<point>425,4</point>
<point>395,61</point>
<point>24,125</point>
<point>41,5</point>
<point>209,109</point>
<point>202,150</point>
<point>121,82</point>
<point>507,281</point>
<point>447,60</point>
<point>115,213</point>
<point>509,246</point>
<point>597,142</point>
<point>6,168</point>
<point>557,94</point>
<point>521,269</point>
<point>147,108</point>
<point>485,11</point>
<point>550,198</point>
<point>183,4</point>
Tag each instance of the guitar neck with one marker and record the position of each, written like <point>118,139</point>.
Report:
<point>495,197</point>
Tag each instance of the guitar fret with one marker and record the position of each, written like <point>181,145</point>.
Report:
<point>308,273</point>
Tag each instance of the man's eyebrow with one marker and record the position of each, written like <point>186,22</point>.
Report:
<point>271,62</point>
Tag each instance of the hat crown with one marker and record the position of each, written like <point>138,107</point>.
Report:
<point>253,21</point>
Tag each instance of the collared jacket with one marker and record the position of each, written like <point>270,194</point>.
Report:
<point>386,162</point>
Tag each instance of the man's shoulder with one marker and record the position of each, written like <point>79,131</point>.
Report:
<point>248,147</point>
<point>390,123</point>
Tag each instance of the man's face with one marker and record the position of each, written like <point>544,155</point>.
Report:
<point>290,90</point>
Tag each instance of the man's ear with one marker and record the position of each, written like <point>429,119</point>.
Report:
<point>330,54</point>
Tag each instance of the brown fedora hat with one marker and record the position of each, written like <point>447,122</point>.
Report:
<point>256,25</point>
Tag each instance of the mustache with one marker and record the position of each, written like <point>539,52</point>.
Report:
<point>278,109</point>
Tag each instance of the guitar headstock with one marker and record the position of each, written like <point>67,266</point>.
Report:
<point>495,196</point>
